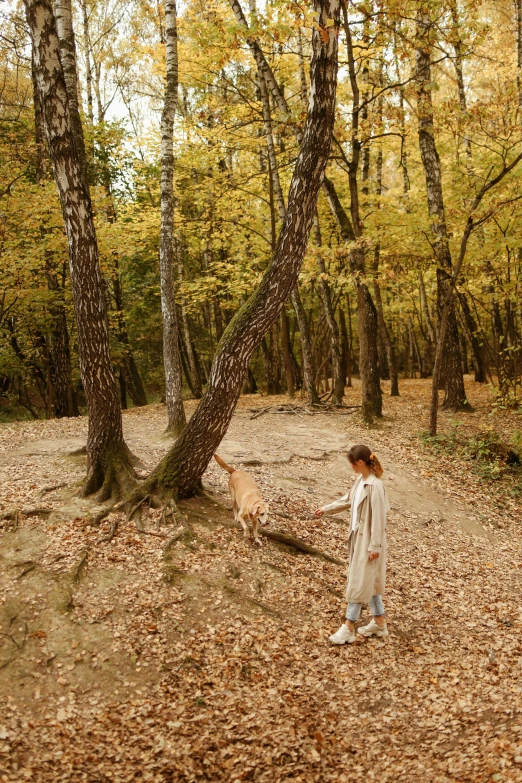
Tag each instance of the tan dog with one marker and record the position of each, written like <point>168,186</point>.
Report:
<point>246,499</point>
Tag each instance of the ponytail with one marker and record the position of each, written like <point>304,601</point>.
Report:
<point>370,459</point>
<point>376,466</point>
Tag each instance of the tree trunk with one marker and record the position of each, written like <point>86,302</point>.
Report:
<point>345,344</point>
<point>306,348</point>
<point>455,394</point>
<point>88,64</point>
<point>308,362</point>
<point>369,406</point>
<point>132,377</point>
<point>472,331</point>
<point>109,460</point>
<point>287,354</point>
<point>41,161</point>
<point>335,343</point>
<point>64,28</point>
<point>61,355</point>
<point>179,473</point>
<point>193,365</point>
<point>383,329</point>
<point>61,376</point>
<point>171,360</point>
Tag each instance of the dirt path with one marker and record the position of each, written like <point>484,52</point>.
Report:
<point>211,661</point>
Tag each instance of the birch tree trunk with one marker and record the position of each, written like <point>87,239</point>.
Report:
<point>455,394</point>
<point>64,28</point>
<point>109,467</point>
<point>180,471</point>
<point>88,64</point>
<point>171,360</point>
<point>61,364</point>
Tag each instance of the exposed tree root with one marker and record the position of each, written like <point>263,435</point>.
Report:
<point>110,535</point>
<point>111,475</point>
<point>81,452</point>
<point>171,541</point>
<point>308,410</point>
<point>51,488</point>
<point>26,565</point>
<point>275,535</point>
<point>103,514</point>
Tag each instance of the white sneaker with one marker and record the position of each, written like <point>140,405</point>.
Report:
<point>372,629</point>
<point>342,636</point>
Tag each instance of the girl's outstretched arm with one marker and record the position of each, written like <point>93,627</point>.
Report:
<point>341,504</point>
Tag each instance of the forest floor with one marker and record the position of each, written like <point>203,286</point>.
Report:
<point>120,661</point>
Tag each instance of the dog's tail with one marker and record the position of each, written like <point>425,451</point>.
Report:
<point>223,464</point>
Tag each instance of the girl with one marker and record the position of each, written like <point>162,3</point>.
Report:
<point>367,571</point>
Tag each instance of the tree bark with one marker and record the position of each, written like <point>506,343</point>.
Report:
<point>65,30</point>
<point>131,374</point>
<point>88,64</point>
<point>171,360</point>
<point>472,331</point>
<point>477,354</point>
<point>287,353</point>
<point>339,375</point>
<point>61,356</point>
<point>61,374</point>
<point>109,460</point>
<point>193,365</point>
<point>385,335</point>
<point>455,394</point>
<point>179,473</point>
<point>295,298</point>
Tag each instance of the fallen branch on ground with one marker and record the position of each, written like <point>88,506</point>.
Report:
<point>275,535</point>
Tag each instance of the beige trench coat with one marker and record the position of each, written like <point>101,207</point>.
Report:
<point>365,577</point>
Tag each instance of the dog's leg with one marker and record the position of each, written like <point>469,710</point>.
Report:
<point>243,523</point>
<point>257,540</point>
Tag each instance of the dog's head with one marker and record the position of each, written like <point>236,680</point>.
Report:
<point>260,512</point>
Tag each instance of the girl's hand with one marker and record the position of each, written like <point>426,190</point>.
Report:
<point>374,555</point>
<point>318,513</point>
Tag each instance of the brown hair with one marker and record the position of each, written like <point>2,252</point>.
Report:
<point>370,459</point>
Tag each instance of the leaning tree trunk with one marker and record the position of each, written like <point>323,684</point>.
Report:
<point>180,471</point>
<point>295,298</point>
<point>372,404</point>
<point>455,394</point>
<point>171,360</point>
<point>109,460</point>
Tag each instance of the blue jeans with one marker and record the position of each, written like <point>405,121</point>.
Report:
<point>376,608</point>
